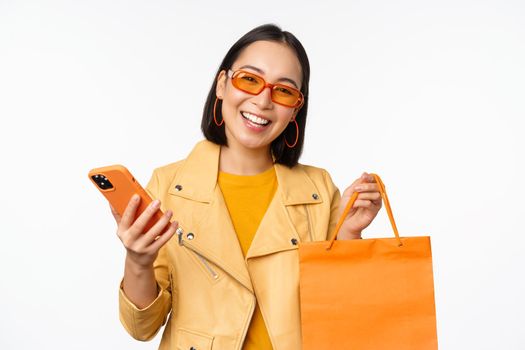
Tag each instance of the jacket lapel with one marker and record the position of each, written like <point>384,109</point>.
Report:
<point>277,231</point>
<point>213,234</point>
<point>209,221</point>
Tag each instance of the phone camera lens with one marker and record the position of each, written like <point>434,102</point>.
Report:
<point>102,182</point>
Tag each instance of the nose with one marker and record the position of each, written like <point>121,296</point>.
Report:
<point>264,99</point>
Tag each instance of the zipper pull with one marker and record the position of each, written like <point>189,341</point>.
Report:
<point>179,232</point>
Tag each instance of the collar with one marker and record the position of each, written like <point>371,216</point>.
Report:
<point>197,178</point>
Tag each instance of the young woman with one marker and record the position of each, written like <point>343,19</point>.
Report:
<point>241,203</point>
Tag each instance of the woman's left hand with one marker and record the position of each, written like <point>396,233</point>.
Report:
<point>365,207</point>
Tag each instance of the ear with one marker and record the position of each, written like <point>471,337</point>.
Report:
<point>294,114</point>
<point>221,84</point>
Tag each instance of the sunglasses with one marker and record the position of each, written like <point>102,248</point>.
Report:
<point>253,84</point>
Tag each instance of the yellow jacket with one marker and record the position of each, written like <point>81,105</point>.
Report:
<point>204,280</point>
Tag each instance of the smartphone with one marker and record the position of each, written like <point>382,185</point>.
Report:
<point>117,184</point>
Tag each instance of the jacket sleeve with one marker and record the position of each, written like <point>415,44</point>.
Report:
<point>143,324</point>
<point>335,199</point>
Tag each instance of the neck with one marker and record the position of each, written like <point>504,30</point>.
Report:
<point>245,161</point>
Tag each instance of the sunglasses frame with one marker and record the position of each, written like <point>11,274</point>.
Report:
<point>231,74</point>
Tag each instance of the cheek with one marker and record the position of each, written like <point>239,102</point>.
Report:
<point>234,94</point>
<point>284,114</point>
<point>232,100</point>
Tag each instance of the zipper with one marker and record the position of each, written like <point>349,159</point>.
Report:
<point>208,267</point>
<point>179,232</point>
<point>203,260</point>
<point>309,223</point>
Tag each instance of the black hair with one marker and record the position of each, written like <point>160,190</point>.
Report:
<point>282,153</point>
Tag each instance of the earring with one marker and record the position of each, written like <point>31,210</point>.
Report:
<point>214,116</point>
<point>296,135</point>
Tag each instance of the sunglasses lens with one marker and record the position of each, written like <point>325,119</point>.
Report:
<point>285,95</point>
<point>249,83</point>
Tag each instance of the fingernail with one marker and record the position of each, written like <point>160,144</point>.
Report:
<point>169,213</point>
<point>155,203</point>
<point>135,197</point>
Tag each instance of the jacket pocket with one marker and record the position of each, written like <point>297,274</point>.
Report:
<point>192,340</point>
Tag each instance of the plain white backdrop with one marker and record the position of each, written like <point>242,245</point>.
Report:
<point>428,94</point>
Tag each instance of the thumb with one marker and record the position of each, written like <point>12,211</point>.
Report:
<point>350,190</point>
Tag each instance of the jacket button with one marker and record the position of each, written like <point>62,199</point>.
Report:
<point>192,348</point>
<point>178,188</point>
<point>315,196</point>
<point>294,241</point>
<point>190,236</point>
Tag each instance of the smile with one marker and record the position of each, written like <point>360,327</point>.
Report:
<point>255,119</point>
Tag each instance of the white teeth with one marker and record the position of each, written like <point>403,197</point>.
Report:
<point>254,119</point>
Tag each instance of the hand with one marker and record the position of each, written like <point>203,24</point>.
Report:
<point>143,247</point>
<point>365,207</point>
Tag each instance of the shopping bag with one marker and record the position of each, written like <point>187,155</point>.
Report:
<point>368,293</point>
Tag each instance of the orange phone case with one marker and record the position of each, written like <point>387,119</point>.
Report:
<point>117,184</point>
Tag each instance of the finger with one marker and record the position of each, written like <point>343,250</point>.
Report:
<point>129,214</point>
<point>367,187</point>
<point>144,218</point>
<point>364,203</point>
<point>350,190</point>
<point>378,202</point>
<point>157,229</point>
<point>368,177</point>
<point>373,196</point>
<point>116,215</point>
<point>165,237</point>
<point>360,180</point>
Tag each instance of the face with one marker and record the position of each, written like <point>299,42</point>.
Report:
<point>254,121</point>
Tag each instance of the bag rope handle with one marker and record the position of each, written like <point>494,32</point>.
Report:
<point>351,202</point>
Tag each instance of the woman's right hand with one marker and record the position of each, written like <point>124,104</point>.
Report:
<point>143,247</point>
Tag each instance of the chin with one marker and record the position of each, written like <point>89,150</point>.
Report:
<point>254,143</point>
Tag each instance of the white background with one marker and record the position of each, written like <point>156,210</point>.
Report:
<point>428,94</point>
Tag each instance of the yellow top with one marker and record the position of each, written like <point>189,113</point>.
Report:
<point>247,199</point>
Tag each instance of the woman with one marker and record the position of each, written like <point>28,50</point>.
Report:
<point>240,203</point>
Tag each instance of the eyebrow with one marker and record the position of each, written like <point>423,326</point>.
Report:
<point>259,70</point>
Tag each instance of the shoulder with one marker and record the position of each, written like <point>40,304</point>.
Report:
<point>168,171</point>
<point>162,178</point>
<point>319,176</point>
<point>202,153</point>
<point>301,181</point>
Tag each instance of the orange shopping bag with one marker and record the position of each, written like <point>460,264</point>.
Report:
<point>368,293</point>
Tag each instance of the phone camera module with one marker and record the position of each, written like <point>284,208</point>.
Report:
<point>102,181</point>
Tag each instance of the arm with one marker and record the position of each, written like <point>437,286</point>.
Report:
<point>145,295</point>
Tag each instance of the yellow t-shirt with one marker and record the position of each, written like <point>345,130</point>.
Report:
<point>247,198</point>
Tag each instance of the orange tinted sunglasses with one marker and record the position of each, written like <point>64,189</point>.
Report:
<point>253,84</point>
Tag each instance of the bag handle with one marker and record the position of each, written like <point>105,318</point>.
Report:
<point>351,203</point>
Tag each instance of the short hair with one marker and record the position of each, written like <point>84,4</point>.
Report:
<point>282,153</point>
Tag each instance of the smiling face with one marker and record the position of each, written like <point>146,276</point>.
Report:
<point>254,121</point>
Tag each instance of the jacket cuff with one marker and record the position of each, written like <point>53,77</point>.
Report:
<point>143,324</point>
